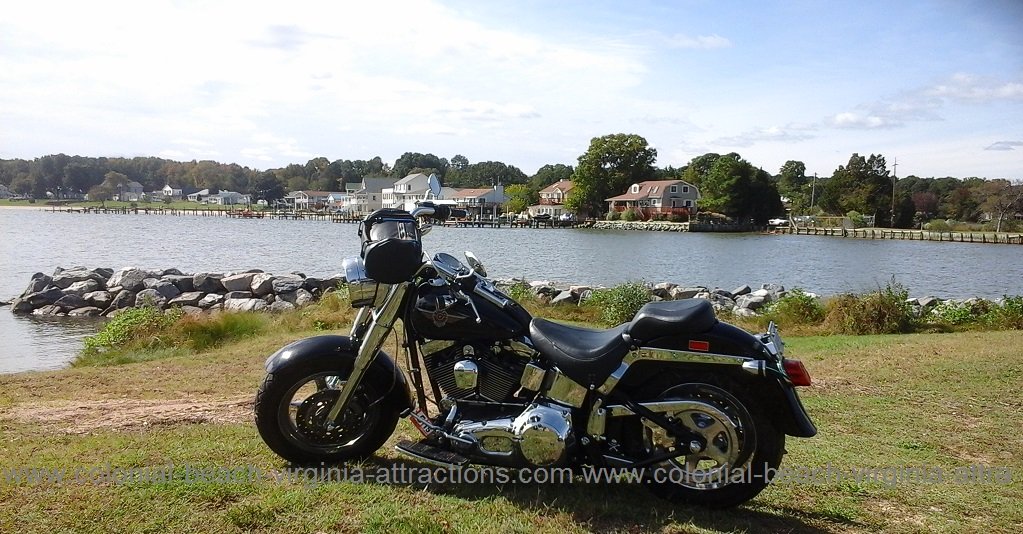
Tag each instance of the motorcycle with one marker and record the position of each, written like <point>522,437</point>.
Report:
<point>701,406</point>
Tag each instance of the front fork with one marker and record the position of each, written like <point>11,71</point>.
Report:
<point>381,322</point>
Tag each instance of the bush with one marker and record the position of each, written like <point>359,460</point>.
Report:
<point>620,303</point>
<point>938,225</point>
<point>520,291</point>
<point>856,218</point>
<point>1007,316</point>
<point>884,311</point>
<point>133,327</point>
<point>677,218</point>
<point>796,308</point>
<point>201,332</point>
<point>613,215</point>
<point>630,215</point>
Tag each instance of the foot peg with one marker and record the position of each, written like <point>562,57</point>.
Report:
<point>431,454</point>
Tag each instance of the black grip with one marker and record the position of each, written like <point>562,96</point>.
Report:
<point>441,212</point>
<point>458,214</point>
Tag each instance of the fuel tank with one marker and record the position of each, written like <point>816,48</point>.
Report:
<point>438,314</point>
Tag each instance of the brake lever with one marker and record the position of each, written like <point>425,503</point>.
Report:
<point>461,294</point>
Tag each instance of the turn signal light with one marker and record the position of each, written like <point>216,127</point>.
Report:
<point>797,373</point>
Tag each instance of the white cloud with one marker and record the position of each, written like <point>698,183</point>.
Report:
<point>1004,145</point>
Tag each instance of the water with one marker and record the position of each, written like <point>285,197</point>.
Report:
<point>38,241</point>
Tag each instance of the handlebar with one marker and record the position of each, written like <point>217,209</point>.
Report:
<point>440,212</point>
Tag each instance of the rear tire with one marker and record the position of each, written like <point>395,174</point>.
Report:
<point>743,448</point>
<point>292,404</point>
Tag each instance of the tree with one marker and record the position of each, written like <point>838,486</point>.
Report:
<point>550,174</point>
<point>520,197</point>
<point>863,185</point>
<point>484,174</point>
<point>412,162</point>
<point>610,165</point>
<point>736,188</point>
<point>267,187</point>
<point>1001,198</point>
<point>794,185</point>
<point>699,167</point>
<point>459,162</point>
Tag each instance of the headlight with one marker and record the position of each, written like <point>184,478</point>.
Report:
<point>362,290</point>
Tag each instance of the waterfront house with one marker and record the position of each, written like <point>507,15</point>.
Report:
<point>405,193</point>
<point>130,192</point>
<point>4,192</point>
<point>308,200</point>
<point>552,200</point>
<point>200,195</point>
<point>481,202</point>
<point>175,193</point>
<point>368,196</point>
<point>228,198</point>
<point>648,199</point>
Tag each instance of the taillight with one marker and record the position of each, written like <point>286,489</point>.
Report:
<point>797,373</point>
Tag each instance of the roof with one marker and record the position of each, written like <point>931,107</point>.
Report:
<point>471,193</point>
<point>411,177</point>
<point>561,185</point>
<point>651,189</point>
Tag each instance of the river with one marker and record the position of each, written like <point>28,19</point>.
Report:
<point>39,241</point>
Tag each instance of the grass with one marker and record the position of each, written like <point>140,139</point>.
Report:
<point>880,401</point>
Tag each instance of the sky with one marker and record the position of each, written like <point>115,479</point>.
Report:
<point>936,86</point>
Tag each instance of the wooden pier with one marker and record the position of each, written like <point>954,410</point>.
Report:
<point>907,235</point>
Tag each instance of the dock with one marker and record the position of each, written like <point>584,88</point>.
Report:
<point>906,235</point>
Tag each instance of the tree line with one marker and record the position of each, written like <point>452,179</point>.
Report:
<point>729,184</point>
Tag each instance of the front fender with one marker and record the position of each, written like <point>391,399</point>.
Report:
<point>342,348</point>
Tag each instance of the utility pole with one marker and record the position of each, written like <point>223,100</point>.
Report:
<point>895,178</point>
<point>813,190</point>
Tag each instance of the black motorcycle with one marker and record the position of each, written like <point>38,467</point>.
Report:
<point>702,407</point>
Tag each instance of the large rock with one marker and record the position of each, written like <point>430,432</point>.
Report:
<point>182,282</point>
<point>565,297</point>
<point>211,300</point>
<point>88,311</point>
<point>83,287</point>
<point>680,293</point>
<point>63,278</point>
<point>332,283</point>
<point>122,299</point>
<point>71,301</point>
<point>238,282</point>
<point>751,302</point>
<point>100,299</point>
<point>245,305</point>
<point>49,309</point>
<point>165,287</point>
<point>21,305</point>
<point>208,282</point>
<point>281,306</point>
<point>298,297</point>
<point>170,272</point>
<point>38,283</point>
<point>150,297</point>
<point>287,283</point>
<point>741,290</point>
<point>238,295</point>
<point>130,278</point>
<point>262,284</point>
<point>44,297</point>
<point>188,298</point>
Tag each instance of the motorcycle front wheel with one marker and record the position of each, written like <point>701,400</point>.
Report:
<point>292,405</point>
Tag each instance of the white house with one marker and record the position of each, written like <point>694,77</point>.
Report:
<point>368,196</point>
<point>199,195</point>
<point>406,192</point>
<point>228,198</point>
<point>307,200</point>
<point>480,202</point>
<point>130,192</point>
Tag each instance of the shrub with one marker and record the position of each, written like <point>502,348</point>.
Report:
<point>201,332</point>
<point>959,313</point>
<point>796,308</point>
<point>630,215</point>
<point>1008,315</point>
<point>620,303</point>
<point>938,225</point>
<point>884,311</point>
<point>520,291</point>
<point>856,218</point>
<point>613,215</point>
<point>677,218</point>
<point>133,327</point>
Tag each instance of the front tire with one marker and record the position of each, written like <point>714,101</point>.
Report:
<point>292,404</point>
<point>743,448</point>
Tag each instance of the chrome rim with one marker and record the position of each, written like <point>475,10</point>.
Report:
<point>304,411</point>
<point>726,428</point>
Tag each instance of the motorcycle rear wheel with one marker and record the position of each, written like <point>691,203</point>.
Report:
<point>292,404</point>
<point>743,448</point>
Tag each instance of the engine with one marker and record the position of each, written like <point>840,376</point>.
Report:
<point>497,372</point>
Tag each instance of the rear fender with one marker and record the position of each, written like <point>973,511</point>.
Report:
<point>341,347</point>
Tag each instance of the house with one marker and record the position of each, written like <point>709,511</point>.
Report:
<point>670,197</point>
<point>480,203</point>
<point>307,200</point>
<point>175,193</point>
<point>368,196</point>
<point>4,192</point>
<point>228,198</point>
<point>200,195</point>
<point>130,192</point>
<point>405,193</point>
<point>552,200</point>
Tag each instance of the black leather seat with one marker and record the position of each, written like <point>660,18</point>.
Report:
<point>672,317</point>
<point>586,356</point>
